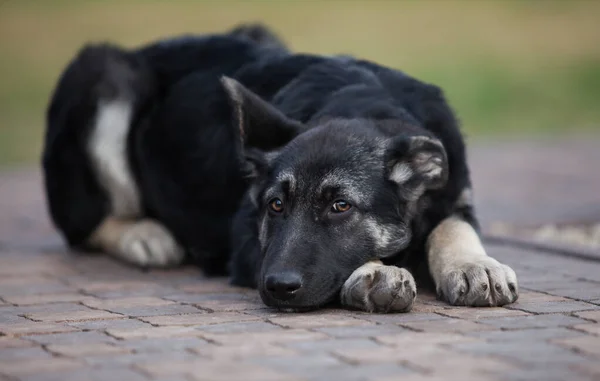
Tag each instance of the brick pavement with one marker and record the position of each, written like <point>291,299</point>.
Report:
<point>84,317</point>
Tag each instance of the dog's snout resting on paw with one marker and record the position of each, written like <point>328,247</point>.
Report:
<point>317,180</point>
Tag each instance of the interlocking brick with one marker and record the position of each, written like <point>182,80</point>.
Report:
<point>553,307</point>
<point>13,342</point>
<point>288,335</point>
<point>533,321</point>
<point>399,318</point>
<point>482,313</point>
<point>127,359</point>
<point>23,287</point>
<point>85,350</point>
<point>587,344</point>
<point>35,328</point>
<point>125,323</point>
<point>65,312</point>
<point>594,329</point>
<point>72,338</point>
<point>26,300</point>
<point>526,334</point>
<point>116,373</point>
<point>307,366</point>
<point>446,325</point>
<point>30,353</point>
<point>589,315</point>
<point>26,367</point>
<point>220,302</point>
<point>362,331</point>
<point>116,304</point>
<point>538,353</point>
<point>315,320</point>
<point>151,332</point>
<point>244,327</point>
<point>165,344</point>
<point>332,344</point>
<point>243,350</point>
<point>207,370</point>
<point>210,286</point>
<point>198,319</point>
<point>413,339</point>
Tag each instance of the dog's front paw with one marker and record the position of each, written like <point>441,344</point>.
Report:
<point>149,244</point>
<point>478,282</point>
<point>375,287</point>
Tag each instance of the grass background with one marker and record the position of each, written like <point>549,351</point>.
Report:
<point>508,67</point>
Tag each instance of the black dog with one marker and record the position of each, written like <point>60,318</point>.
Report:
<point>321,178</point>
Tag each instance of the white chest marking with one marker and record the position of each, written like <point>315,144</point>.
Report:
<point>108,151</point>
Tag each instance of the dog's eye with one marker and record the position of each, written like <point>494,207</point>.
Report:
<point>276,205</point>
<point>340,206</point>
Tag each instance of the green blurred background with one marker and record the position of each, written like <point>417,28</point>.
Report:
<point>509,68</point>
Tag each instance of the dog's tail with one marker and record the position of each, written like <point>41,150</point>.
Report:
<point>259,33</point>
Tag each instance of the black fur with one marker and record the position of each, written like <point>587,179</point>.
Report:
<point>198,148</point>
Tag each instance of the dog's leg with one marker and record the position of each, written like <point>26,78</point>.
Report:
<point>462,271</point>
<point>144,243</point>
<point>375,287</point>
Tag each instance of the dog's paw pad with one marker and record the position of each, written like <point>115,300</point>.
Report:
<point>480,282</point>
<point>149,244</point>
<point>379,288</point>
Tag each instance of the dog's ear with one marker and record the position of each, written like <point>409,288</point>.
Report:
<point>259,124</point>
<point>417,161</point>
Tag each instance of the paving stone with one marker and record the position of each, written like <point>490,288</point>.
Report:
<point>166,344</point>
<point>124,323</point>
<point>86,350</point>
<point>127,359</point>
<point>16,354</point>
<point>288,335</point>
<point>198,319</point>
<point>414,339</point>
<point>423,358</point>
<point>400,318</point>
<point>222,302</point>
<point>35,328</point>
<point>151,332</point>
<point>527,335</point>
<point>332,344</point>
<point>593,329</point>
<point>73,338</point>
<point>553,307</point>
<point>243,350</point>
<point>482,313</point>
<point>589,315</point>
<point>362,331</point>
<point>533,321</point>
<point>585,344</point>
<point>26,367</point>
<point>207,370</point>
<point>65,312</point>
<point>310,320</point>
<point>115,373</point>
<point>244,327</point>
<point>25,300</point>
<point>13,342</point>
<point>532,353</point>
<point>446,325</point>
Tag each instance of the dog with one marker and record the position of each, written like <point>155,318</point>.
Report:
<point>315,179</point>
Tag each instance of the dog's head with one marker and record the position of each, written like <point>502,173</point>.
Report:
<point>330,197</point>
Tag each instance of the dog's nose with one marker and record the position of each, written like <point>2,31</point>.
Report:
<point>284,285</point>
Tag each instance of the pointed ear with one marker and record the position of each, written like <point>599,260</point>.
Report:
<point>418,161</point>
<point>259,123</point>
